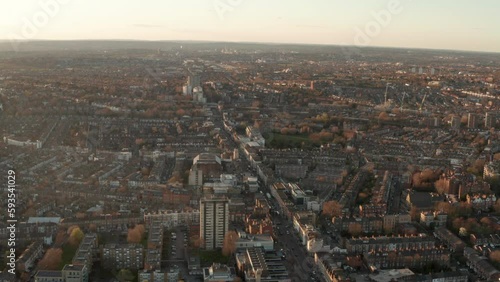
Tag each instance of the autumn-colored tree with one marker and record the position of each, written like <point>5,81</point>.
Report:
<point>441,185</point>
<point>145,171</point>
<point>320,178</point>
<point>332,208</point>
<point>136,234</point>
<point>392,256</point>
<point>229,243</point>
<point>444,207</point>
<point>256,103</point>
<point>325,136</point>
<point>458,223</point>
<point>60,238</point>
<point>197,242</point>
<point>355,229</point>
<point>464,119</point>
<point>349,134</point>
<point>75,236</point>
<point>428,175</point>
<point>496,157</point>
<point>176,177</point>
<point>383,116</point>
<point>495,256</point>
<point>305,129</point>
<point>464,209</point>
<point>180,112</point>
<point>414,214</point>
<point>479,165</point>
<point>314,137</point>
<point>29,212</point>
<point>25,276</point>
<point>496,207</point>
<point>471,224</point>
<point>51,260</point>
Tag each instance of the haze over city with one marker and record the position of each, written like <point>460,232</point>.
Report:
<point>249,140</point>
<point>446,24</point>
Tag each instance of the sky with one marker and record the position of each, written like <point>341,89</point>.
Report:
<point>442,24</point>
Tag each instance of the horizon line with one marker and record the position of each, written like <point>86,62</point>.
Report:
<point>252,42</point>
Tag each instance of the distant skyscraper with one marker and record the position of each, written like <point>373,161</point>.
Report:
<point>455,122</point>
<point>413,70</point>
<point>472,121</point>
<point>214,221</point>
<point>489,120</point>
<point>187,90</point>
<point>433,71</point>
<point>194,81</point>
<point>282,98</point>
<point>420,70</point>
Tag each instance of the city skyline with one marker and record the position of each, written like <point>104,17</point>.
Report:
<point>457,25</point>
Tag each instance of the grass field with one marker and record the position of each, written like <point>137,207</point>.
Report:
<point>207,257</point>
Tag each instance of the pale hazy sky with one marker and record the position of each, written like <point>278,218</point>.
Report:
<point>440,24</point>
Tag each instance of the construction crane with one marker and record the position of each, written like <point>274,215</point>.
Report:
<point>423,101</point>
<point>402,101</point>
<point>385,95</point>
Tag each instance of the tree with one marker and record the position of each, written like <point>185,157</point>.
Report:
<point>383,116</point>
<point>229,244</point>
<point>139,142</point>
<point>495,256</point>
<point>355,229</point>
<point>125,275</point>
<point>496,207</point>
<point>60,238</point>
<point>197,242</point>
<point>444,207</point>
<point>441,185</point>
<point>51,260</point>
<point>180,112</point>
<point>479,165</point>
<point>332,209</point>
<point>136,234</point>
<point>428,175</point>
<point>414,214</point>
<point>471,224</point>
<point>464,209</point>
<point>314,137</point>
<point>284,131</point>
<point>458,223</point>
<point>75,235</point>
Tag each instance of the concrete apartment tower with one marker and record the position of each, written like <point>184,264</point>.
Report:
<point>214,221</point>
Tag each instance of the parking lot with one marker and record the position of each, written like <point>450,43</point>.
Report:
<point>177,254</point>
